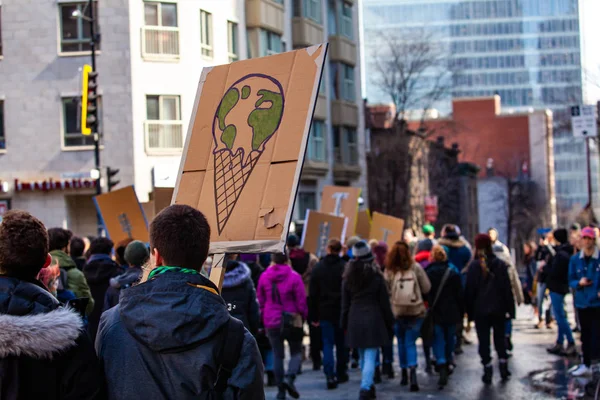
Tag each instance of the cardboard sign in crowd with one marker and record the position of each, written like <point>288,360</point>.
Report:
<point>319,228</point>
<point>122,215</point>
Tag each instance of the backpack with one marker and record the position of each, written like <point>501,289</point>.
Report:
<point>231,347</point>
<point>406,294</point>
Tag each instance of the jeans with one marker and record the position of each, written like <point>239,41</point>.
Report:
<point>564,329</point>
<point>590,332</point>
<point>483,327</point>
<point>367,367</point>
<point>276,340</point>
<point>508,325</point>
<point>388,354</point>
<point>541,295</point>
<point>443,343</point>
<point>407,331</point>
<point>333,335</point>
<point>268,359</point>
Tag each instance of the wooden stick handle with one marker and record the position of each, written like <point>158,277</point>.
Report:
<point>217,272</point>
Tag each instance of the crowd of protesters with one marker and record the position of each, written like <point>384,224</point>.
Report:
<point>86,318</point>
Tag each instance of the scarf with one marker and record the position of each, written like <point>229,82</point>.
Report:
<point>161,270</point>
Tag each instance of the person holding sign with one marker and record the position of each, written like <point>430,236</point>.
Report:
<point>170,334</point>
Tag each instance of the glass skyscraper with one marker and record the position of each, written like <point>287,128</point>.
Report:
<point>530,52</point>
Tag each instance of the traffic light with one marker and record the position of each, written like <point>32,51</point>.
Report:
<point>110,174</point>
<point>89,100</point>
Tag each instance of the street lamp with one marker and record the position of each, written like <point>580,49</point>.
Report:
<point>94,38</point>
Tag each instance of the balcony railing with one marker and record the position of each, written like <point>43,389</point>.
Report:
<point>163,136</point>
<point>160,42</point>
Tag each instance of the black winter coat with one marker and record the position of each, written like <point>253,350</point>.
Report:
<point>489,295</point>
<point>450,307</point>
<point>366,314</point>
<point>557,273</point>
<point>98,271</point>
<point>162,342</point>
<point>240,295</point>
<point>326,289</point>
<point>58,364</point>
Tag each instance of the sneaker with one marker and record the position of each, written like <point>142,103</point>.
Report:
<point>570,351</point>
<point>343,378</point>
<point>332,383</point>
<point>557,350</point>
<point>581,370</point>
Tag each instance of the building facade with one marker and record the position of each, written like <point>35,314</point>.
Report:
<point>534,54</point>
<point>149,61</point>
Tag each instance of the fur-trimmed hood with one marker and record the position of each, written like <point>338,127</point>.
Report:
<point>39,335</point>
<point>459,242</point>
<point>236,276</point>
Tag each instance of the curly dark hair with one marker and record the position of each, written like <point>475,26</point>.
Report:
<point>181,235</point>
<point>23,245</point>
<point>59,238</point>
<point>120,251</point>
<point>358,274</point>
<point>101,245</point>
<point>399,258</point>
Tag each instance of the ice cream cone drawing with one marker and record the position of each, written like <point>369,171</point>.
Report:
<point>247,117</point>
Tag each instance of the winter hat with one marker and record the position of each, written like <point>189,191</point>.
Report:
<point>424,245</point>
<point>483,241</point>
<point>380,252</point>
<point>362,251</point>
<point>136,253</point>
<point>588,232</point>
<point>293,241</point>
<point>352,240</point>
<point>561,235</point>
<point>428,229</point>
<point>450,232</point>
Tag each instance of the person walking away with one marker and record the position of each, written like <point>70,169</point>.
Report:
<point>428,233</point>
<point>460,255</point>
<point>489,301</point>
<point>136,255</point>
<point>98,271</point>
<point>281,296</point>
<point>239,293</point>
<point>448,311</point>
<point>423,252</point>
<point>76,248</point>
<point>557,281</point>
<point>502,252</point>
<point>380,251</point>
<point>171,336</point>
<point>120,252</point>
<point>324,310</point>
<point>303,262</point>
<point>44,350</point>
<point>544,255</point>
<point>530,266</point>
<point>584,278</point>
<point>256,270</point>
<point>75,280</point>
<point>366,313</point>
<point>407,284</point>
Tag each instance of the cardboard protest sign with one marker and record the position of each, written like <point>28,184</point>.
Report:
<point>162,198</point>
<point>387,228</point>
<point>363,224</point>
<point>122,215</point>
<point>319,228</point>
<point>341,201</point>
<point>148,208</point>
<point>244,149</point>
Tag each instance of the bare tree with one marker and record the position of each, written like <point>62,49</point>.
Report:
<point>411,68</point>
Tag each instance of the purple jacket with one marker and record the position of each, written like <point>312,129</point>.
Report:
<point>291,290</point>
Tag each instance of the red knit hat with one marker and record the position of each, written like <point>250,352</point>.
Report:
<point>483,241</point>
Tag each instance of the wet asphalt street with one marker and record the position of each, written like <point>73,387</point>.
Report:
<point>535,374</point>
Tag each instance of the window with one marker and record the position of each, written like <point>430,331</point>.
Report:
<point>206,39</point>
<point>332,17</point>
<point>164,129</point>
<point>277,1</point>
<point>348,91</point>
<point>317,145</point>
<point>160,35</point>
<point>72,136</point>
<point>346,27</point>
<point>2,137</point>
<point>0,30</point>
<point>310,9</point>
<point>345,144</point>
<point>232,41</point>
<point>75,35</point>
<point>270,43</point>
<point>351,146</point>
<point>306,201</point>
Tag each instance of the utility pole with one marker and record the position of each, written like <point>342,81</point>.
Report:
<point>589,171</point>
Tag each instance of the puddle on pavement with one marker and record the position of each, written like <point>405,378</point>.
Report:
<point>555,380</point>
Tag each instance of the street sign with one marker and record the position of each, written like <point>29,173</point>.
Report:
<point>431,208</point>
<point>583,121</point>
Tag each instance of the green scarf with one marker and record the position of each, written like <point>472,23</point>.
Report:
<point>161,270</point>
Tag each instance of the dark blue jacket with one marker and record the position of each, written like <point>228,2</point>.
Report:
<point>240,295</point>
<point>163,339</point>
<point>585,297</point>
<point>459,252</point>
